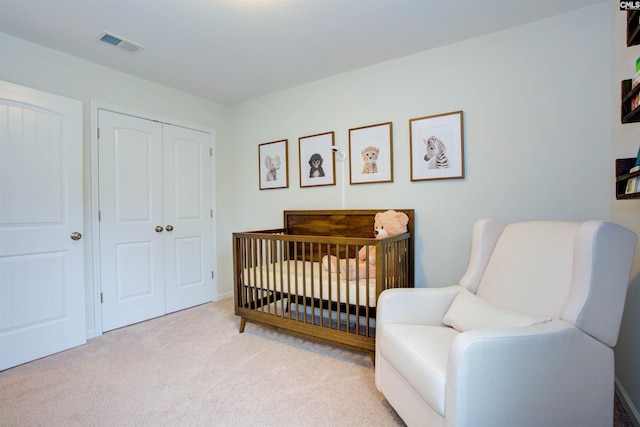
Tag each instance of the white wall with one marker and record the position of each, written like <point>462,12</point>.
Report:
<point>48,70</point>
<point>625,144</point>
<point>536,103</point>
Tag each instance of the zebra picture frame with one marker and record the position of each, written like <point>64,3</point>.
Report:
<point>437,146</point>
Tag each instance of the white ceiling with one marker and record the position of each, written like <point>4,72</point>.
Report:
<point>230,51</point>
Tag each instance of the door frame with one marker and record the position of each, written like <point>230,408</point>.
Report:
<point>93,299</point>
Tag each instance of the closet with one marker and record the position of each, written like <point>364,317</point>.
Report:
<point>155,218</point>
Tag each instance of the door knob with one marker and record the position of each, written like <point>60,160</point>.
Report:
<point>159,229</point>
<point>76,236</point>
<point>169,227</point>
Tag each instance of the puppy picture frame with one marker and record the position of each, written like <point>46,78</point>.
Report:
<point>437,146</point>
<point>273,164</point>
<point>317,163</point>
<point>371,154</point>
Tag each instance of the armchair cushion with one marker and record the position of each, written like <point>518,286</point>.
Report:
<point>420,354</point>
<point>469,312</point>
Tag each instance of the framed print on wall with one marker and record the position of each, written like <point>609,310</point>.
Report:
<point>317,163</point>
<point>273,164</point>
<point>371,154</point>
<point>437,147</point>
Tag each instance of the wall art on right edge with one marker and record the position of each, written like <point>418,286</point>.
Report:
<point>437,147</point>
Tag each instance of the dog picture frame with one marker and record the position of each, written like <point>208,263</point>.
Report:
<point>437,146</point>
<point>317,163</point>
<point>371,154</point>
<point>273,164</point>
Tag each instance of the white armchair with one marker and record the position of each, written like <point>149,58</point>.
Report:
<point>525,339</point>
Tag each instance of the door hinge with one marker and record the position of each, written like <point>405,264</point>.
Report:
<point>99,216</point>
<point>98,130</point>
<point>211,213</point>
<point>101,298</point>
<point>213,276</point>
<point>210,152</point>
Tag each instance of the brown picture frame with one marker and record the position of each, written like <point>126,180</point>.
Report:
<point>437,147</point>
<point>272,156</point>
<point>371,154</point>
<point>317,163</point>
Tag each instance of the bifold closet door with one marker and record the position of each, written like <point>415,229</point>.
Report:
<point>130,212</point>
<point>187,213</point>
<point>155,218</point>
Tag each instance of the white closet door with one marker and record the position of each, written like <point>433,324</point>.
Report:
<point>187,191</point>
<point>155,225</point>
<point>42,302</point>
<point>131,209</point>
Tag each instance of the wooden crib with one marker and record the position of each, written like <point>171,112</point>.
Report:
<point>279,279</point>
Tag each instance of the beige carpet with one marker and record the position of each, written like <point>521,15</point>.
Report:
<point>193,368</point>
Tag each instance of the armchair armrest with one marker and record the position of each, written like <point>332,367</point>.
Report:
<point>529,376</point>
<point>417,306</point>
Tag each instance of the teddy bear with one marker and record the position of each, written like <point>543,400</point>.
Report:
<point>386,224</point>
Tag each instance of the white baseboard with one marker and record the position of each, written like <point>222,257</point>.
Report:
<point>225,296</point>
<point>632,411</point>
<point>91,333</point>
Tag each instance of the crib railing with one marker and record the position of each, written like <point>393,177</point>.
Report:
<point>280,280</point>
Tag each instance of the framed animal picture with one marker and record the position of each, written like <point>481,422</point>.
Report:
<point>371,154</point>
<point>437,147</point>
<point>273,164</point>
<point>317,163</point>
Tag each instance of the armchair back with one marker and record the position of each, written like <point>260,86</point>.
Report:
<point>577,272</point>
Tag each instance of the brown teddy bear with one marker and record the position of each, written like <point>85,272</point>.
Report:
<point>386,224</point>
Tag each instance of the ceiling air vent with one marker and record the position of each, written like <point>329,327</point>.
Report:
<point>120,43</point>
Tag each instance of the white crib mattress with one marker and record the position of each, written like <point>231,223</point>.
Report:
<point>310,279</point>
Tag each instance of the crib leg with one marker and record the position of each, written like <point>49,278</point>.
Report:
<point>373,358</point>
<point>242,323</point>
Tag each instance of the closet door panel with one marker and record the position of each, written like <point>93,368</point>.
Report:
<point>131,250</point>
<point>188,262</point>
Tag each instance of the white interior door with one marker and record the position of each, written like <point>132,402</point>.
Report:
<point>130,204</point>
<point>42,294</point>
<point>155,218</point>
<point>187,213</point>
